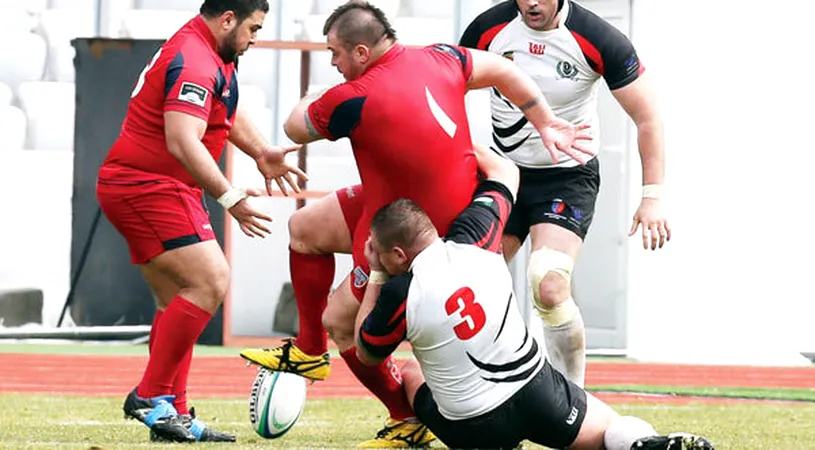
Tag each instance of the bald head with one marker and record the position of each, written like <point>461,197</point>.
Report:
<point>359,22</point>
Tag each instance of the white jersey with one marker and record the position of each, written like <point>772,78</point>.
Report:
<point>566,63</point>
<point>466,329</point>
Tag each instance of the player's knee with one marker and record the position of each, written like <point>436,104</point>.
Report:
<point>549,273</point>
<point>301,232</point>
<point>338,329</point>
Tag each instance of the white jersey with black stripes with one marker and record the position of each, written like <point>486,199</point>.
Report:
<point>566,63</point>
<point>466,330</point>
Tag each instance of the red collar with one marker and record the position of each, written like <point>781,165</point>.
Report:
<point>200,26</point>
<point>392,53</point>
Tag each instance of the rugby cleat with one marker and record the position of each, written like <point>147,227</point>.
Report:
<point>289,358</point>
<point>199,429</point>
<point>673,441</point>
<point>401,434</point>
<point>159,414</point>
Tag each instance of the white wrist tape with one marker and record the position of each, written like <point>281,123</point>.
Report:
<point>232,197</point>
<point>378,277</point>
<point>652,191</point>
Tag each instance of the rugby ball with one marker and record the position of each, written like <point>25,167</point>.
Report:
<point>276,402</point>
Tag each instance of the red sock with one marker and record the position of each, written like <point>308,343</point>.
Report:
<point>181,325</point>
<point>154,330</point>
<point>384,381</point>
<point>311,278</point>
<point>180,384</point>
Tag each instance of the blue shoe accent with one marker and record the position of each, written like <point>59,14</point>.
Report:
<point>162,409</point>
<point>197,428</point>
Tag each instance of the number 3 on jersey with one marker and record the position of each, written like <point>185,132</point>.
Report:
<point>140,83</point>
<point>463,303</point>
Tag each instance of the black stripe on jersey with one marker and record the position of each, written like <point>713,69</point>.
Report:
<point>346,117</point>
<point>512,365</point>
<point>173,73</point>
<point>482,30</point>
<point>607,50</point>
<point>510,130</point>
<point>385,327</point>
<point>450,50</point>
<point>509,148</point>
<point>504,320</point>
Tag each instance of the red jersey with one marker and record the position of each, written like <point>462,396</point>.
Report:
<point>407,122</point>
<point>186,75</point>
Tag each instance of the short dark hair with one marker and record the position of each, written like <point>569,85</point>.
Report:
<point>359,22</point>
<point>400,223</point>
<point>241,8</point>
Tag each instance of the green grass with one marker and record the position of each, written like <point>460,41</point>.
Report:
<point>69,422</point>
<point>802,395</point>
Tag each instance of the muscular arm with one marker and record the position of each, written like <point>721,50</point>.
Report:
<point>368,302</point>
<point>298,126</point>
<point>497,168</point>
<point>493,70</point>
<point>637,99</point>
<point>183,133</point>
<point>245,136</point>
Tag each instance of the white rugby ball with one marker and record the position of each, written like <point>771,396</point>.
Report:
<point>276,402</point>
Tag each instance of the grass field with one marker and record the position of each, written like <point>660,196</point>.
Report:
<point>336,416</point>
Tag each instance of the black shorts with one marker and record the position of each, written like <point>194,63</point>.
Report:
<point>548,411</point>
<point>561,196</point>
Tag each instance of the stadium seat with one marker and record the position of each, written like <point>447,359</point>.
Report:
<point>87,5</point>
<point>424,30</point>
<point>17,19</point>
<point>5,94</point>
<point>14,128</point>
<point>49,107</point>
<point>173,5</point>
<point>59,27</point>
<point>152,23</point>
<point>31,6</point>
<point>389,7</point>
<point>23,61</point>
<point>322,73</point>
<point>430,8</point>
<point>258,67</point>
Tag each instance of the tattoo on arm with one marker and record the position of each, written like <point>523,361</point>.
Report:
<point>530,103</point>
<point>312,131</point>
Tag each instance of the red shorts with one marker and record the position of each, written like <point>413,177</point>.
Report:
<point>155,216</point>
<point>352,202</point>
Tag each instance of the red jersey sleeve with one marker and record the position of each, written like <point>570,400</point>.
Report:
<point>457,55</point>
<point>337,112</point>
<point>189,88</point>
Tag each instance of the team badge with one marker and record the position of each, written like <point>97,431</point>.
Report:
<point>360,277</point>
<point>566,69</point>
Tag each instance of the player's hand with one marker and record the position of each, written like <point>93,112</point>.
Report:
<point>250,219</point>
<point>272,164</point>
<point>560,135</point>
<point>655,229</point>
<point>372,256</point>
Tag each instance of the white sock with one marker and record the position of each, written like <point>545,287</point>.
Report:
<point>566,345</point>
<point>625,430</point>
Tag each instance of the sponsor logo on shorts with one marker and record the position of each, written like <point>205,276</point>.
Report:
<point>572,416</point>
<point>577,213</point>
<point>558,207</point>
<point>193,93</point>
<point>360,277</point>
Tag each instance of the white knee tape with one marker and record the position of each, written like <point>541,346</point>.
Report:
<point>541,262</point>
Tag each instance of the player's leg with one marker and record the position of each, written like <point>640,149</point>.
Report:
<point>316,231</point>
<point>560,215</point>
<point>412,379</point>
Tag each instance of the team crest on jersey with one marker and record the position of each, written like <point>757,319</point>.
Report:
<point>193,93</point>
<point>567,70</point>
<point>509,55</point>
<point>360,277</point>
<point>536,48</point>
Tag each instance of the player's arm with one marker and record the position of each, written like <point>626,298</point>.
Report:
<point>299,127</point>
<point>183,133</point>
<point>380,326</point>
<point>497,168</point>
<point>638,101</point>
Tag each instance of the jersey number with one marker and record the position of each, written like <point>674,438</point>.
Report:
<point>140,83</point>
<point>463,303</point>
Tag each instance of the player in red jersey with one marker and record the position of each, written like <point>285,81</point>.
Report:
<point>403,110</point>
<point>182,111</point>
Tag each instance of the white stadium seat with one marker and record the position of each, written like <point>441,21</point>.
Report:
<point>23,61</point>
<point>322,72</point>
<point>59,27</point>
<point>152,24</point>
<point>31,6</point>
<point>430,8</point>
<point>258,67</point>
<point>16,19</point>
<point>73,4</point>
<point>14,128</point>
<point>5,95</point>
<point>389,7</point>
<point>49,107</point>
<point>174,5</point>
<point>424,30</point>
